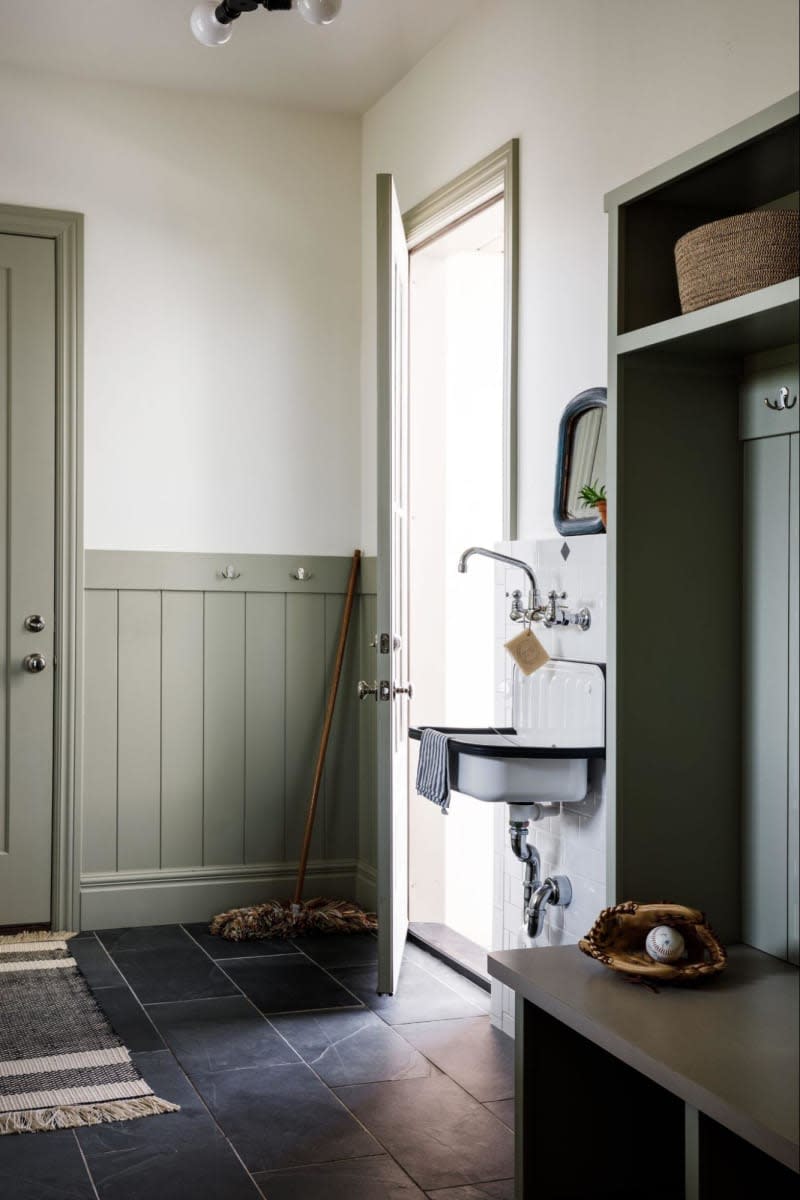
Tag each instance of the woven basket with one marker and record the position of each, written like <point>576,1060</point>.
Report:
<point>617,939</point>
<point>736,255</point>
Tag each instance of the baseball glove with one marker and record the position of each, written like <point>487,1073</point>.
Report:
<point>617,939</point>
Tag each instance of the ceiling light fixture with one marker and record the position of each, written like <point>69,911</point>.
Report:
<point>212,23</point>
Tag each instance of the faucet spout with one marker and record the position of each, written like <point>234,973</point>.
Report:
<point>509,561</point>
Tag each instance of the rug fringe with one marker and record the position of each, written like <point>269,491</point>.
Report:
<point>37,935</point>
<point>43,1120</point>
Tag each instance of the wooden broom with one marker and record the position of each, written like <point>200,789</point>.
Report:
<point>277,918</point>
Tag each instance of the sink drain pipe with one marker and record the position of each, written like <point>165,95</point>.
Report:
<point>538,894</point>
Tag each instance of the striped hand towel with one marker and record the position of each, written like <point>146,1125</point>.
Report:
<point>433,768</point>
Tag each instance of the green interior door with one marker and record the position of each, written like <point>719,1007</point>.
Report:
<point>27,575</point>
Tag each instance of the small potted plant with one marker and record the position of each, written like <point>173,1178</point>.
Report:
<point>594,497</point>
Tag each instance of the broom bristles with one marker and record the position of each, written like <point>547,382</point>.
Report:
<point>281,918</point>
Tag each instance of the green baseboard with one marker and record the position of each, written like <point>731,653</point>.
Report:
<point>168,897</point>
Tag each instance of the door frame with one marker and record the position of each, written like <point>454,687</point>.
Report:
<point>448,206</point>
<point>65,230</point>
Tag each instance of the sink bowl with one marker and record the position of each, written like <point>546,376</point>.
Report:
<point>499,767</point>
<point>543,759</point>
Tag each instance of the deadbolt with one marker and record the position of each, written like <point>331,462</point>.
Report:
<point>34,663</point>
<point>34,623</point>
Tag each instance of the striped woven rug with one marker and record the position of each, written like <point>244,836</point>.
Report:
<point>60,1063</point>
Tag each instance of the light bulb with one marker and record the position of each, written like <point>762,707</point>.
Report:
<point>319,12</point>
<point>205,26</point>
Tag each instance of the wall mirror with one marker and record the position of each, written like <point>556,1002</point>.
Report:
<point>580,460</point>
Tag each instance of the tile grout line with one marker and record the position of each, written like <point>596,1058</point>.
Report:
<point>284,1012</point>
<point>302,1061</point>
<point>361,1158</point>
<point>338,982</point>
<point>125,981</point>
<point>85,1163</point>
<point>185,1074</point>
<point>333,1091</point>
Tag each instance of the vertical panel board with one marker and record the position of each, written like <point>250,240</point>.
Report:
<point>341,767</point>
<point>99,814</point>
<point>4,552</point>
<point>305,688</point>
<point>265,674</point>
<point>765,693</point>
<point>794,701</point>
<point>367,784</point>
<point>223,819</point>
<point>181,729</point>
<point>139,731</point>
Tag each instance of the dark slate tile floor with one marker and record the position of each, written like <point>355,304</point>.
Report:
<point>295,1080</point>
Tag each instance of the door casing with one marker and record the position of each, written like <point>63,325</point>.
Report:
<point>494,176</point>
<point>65,229</point>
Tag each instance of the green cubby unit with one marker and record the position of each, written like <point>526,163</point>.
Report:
<point>688,1093</point>
<point>687,818</point>
<point>753,165</point>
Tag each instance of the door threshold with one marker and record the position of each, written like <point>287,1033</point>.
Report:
<point>463,955</point>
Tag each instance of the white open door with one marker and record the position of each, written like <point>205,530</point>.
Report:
<point>392,640</point>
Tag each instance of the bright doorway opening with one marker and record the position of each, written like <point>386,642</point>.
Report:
<point>457,498</point>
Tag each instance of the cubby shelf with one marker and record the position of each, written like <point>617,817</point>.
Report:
<point>757,321</point>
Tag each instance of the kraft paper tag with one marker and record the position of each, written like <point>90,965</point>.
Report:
<point>527,652</point>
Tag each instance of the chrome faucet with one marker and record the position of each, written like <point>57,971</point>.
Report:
<point>535,610</point>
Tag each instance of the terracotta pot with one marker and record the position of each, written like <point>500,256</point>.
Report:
<point>600,508</point>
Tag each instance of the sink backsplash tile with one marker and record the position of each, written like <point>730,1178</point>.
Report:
<point>572,842</point>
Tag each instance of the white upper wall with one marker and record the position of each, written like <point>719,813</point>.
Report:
<point>221,310</point>
<point>597,91</point>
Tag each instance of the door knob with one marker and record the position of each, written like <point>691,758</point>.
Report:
<point>367,689</point>
<point>408,690</point>
<point>34,623</point>
<point>34,663</point>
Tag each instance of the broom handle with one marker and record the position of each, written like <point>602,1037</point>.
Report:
<point>326,727</point>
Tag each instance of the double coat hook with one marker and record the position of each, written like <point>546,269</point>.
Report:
<point>782,403</point>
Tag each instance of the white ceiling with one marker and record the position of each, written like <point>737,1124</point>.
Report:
<point>276,58</point>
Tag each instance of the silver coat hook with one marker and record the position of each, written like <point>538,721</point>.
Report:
<point>782,403</point>
<point>229,572</point>
<point>302,574</point>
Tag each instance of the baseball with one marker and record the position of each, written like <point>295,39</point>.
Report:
<point>664,944</point>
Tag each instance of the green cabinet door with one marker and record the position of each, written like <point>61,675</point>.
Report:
<point>770,694</point>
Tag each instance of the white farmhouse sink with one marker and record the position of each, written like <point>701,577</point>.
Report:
<point>543,759</point>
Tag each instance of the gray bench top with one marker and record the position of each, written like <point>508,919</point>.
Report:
<point>728,1046</point>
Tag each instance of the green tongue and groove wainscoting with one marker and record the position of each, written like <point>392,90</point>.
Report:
<point>203,699</point>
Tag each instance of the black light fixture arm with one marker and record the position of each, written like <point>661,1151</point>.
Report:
<point>230,10</point>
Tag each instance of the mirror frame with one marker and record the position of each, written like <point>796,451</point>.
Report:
<point>583,402</point>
